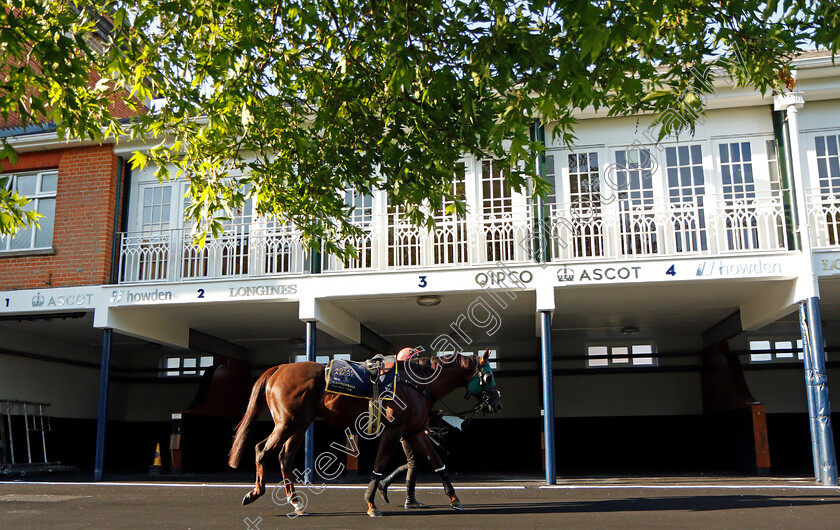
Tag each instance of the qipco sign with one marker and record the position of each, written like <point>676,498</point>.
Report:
<point>506,278</point>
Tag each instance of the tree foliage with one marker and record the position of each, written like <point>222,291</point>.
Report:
<point>51,60</point>
<point>305,98</point>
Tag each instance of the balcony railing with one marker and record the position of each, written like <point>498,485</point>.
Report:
<point>709,225</point>
<point>242,251</point>
<point>824,218</point>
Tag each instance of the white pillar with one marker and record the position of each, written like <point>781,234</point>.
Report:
<point>807,284</point>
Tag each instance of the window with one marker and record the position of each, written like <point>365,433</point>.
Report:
<point>585,196</point>
<point>496,209</point>
<point>776,188</point>
<point>405,239</point>
<point>551,196</point>
<point>763,351</point>
<point>359,207</point>
<point>828,164</point>
<point>491,357</point>
<point>634,184</point>
<point>189,365</point>
<point>773,167</point>
<point>583,181</point>
<point>496,193</point>
<point>739,195</point>
<point>323,359</point>
<point>736,171</point>
<point>828,172</point>
<point>450,234</point>
<point>686,187</point>
<point>157,206</point>
<point>40,189</point>
<point>620,355</point>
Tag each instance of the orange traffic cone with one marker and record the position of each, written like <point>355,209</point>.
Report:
<point>157,466</point>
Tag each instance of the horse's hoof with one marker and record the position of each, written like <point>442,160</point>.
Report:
<point>456,506</point>
<point>384,492</point>
<point>373,512</point>
<point>247,499</point>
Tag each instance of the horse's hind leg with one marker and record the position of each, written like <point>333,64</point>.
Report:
<point>420,442</point>
<point>287,458</point>
<point>264,449</point>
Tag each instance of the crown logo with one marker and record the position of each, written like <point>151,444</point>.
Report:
<point>565,274</point>
<point>38,300</point>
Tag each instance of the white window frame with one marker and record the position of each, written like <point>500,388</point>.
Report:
<point>759,158</point>
<point>359,207</point>
<point>812,178</point>
<point>765,350</point>
<point>697,238</point>
<point>321,359</point>
<point>634,207</point>
<point>494,352</point>
<point>175,211</point>
<point>816,180</point>
<point>627,354</point>
<point>186,365</point>
<point>589,238</point>
<point>34,205</point>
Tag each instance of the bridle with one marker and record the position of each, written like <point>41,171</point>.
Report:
<point>483,383</point>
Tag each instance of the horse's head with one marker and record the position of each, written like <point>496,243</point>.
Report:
<point>483,385</point>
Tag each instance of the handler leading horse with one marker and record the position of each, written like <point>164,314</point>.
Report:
<point>296,395</point>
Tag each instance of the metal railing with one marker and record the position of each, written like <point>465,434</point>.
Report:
<point>708,225</point>
<point>823,218</point>
<point>241,251</point>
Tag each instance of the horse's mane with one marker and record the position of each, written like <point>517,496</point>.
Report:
<point>425,366</point>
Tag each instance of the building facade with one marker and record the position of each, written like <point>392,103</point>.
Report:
<point>671,273</point>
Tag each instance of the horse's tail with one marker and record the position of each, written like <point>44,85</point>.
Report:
<point>255,405</point>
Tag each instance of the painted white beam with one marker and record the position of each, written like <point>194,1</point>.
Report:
<point>143,325</point>
<point>331,319</point>
<point>545,302</point>
<point>773,302</point>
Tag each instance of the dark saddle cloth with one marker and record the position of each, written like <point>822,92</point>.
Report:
<point>355,379</point>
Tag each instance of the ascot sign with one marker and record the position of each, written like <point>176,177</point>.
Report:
<point>60,301</point>
<point>597,274</point>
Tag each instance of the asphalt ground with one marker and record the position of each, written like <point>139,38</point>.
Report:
<point>656,502</point>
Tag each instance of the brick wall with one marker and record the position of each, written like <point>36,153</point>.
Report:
<point>118,107</point>
<point>84,224</point>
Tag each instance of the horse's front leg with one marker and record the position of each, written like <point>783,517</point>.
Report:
<point>420,442</point>
<point>387,441</point>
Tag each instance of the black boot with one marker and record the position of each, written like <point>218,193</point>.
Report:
<point>411,502</point>
<point>385,482</point>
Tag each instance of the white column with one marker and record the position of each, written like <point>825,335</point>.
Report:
<point>807,284</point>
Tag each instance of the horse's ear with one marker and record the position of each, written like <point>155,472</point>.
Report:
<point>484,358</point>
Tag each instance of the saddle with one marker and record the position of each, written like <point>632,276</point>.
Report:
<point>374,380</point>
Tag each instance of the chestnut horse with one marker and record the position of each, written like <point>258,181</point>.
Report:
<point>296,395</point>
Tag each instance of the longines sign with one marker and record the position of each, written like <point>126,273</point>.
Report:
<point>827,263</point>
<point>263,290</point>
<point>201,293</point>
